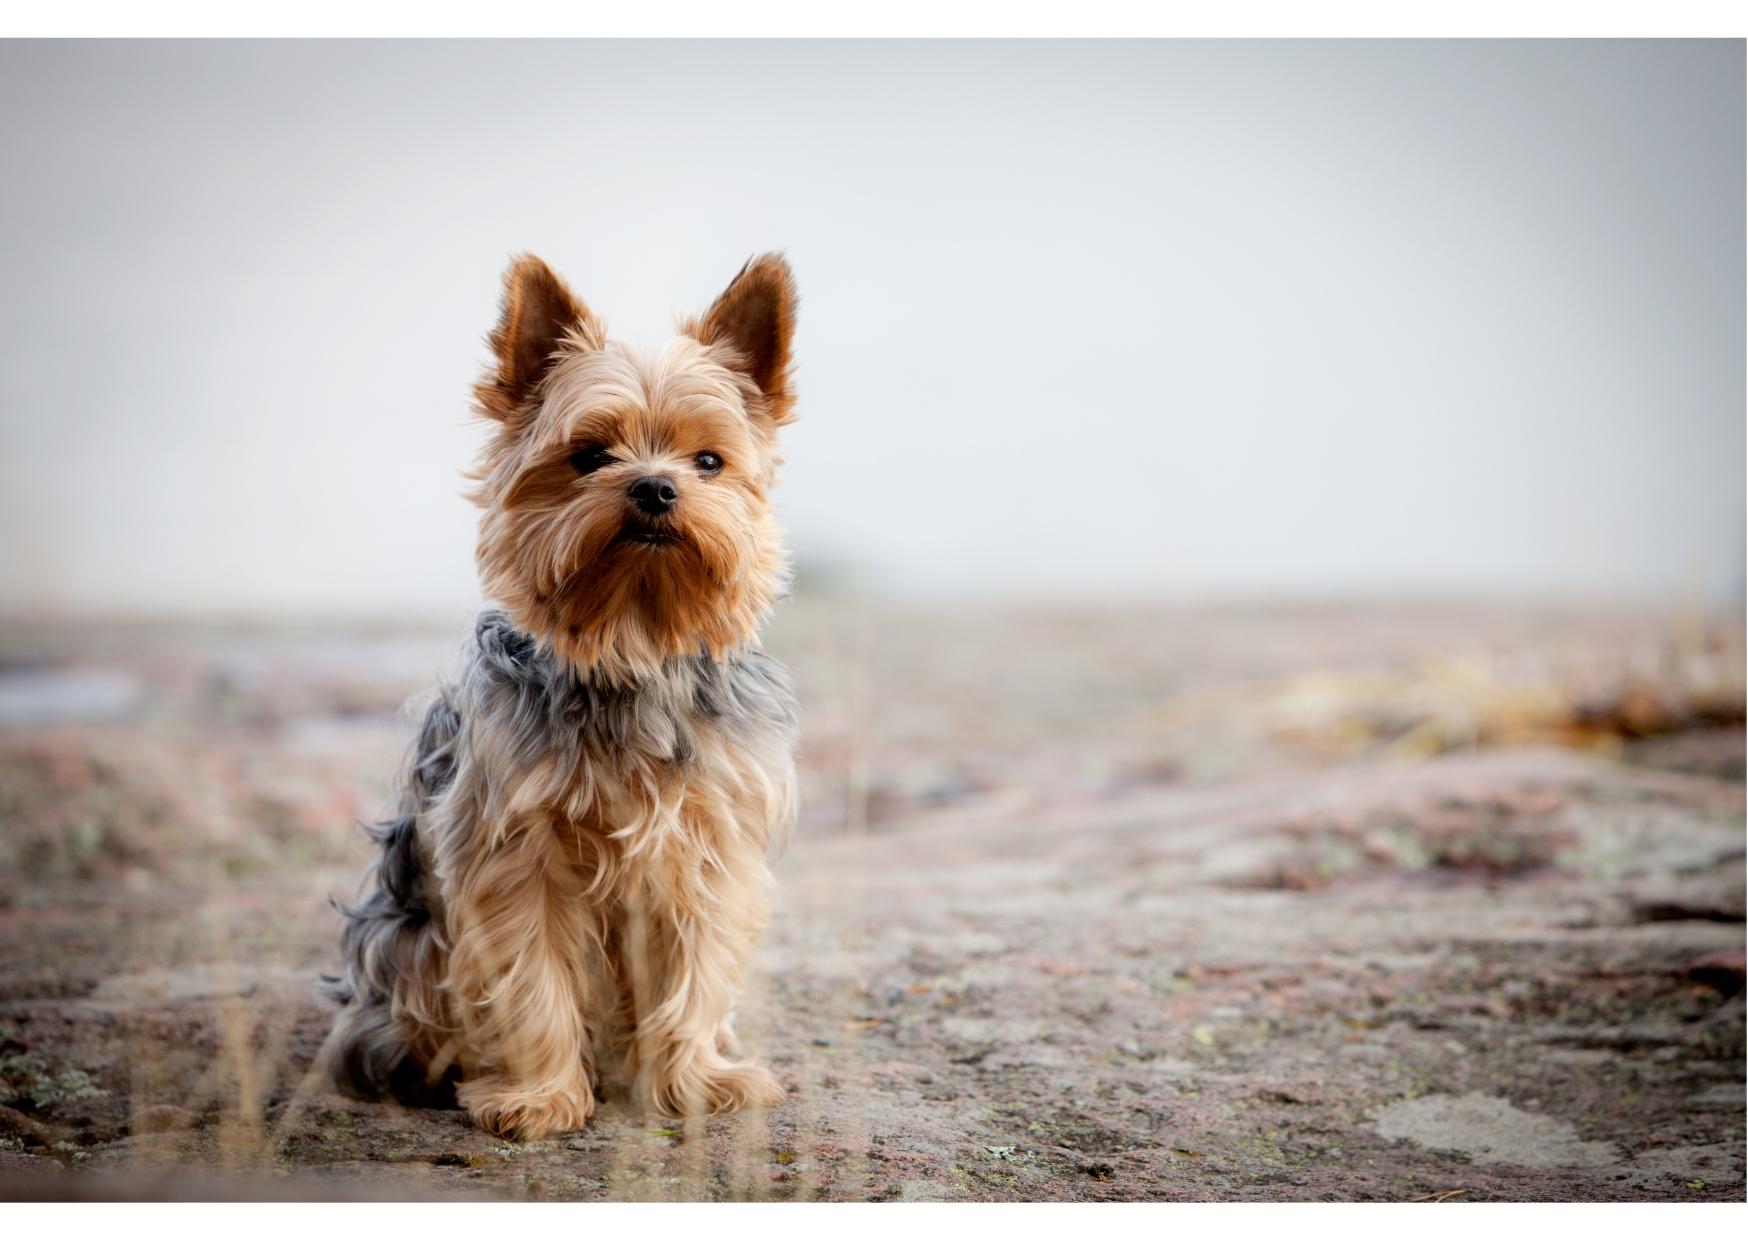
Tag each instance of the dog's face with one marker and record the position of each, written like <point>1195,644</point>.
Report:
<point>627,495</point>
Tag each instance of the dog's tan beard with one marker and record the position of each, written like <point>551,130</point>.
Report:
<point>635,606</point>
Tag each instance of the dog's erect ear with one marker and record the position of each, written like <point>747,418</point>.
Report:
<point>537,313</point>
<point>755,316</point>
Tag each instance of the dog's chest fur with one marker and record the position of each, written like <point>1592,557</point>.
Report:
<point>703,748</point>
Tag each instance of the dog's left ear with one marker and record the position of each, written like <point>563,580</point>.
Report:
<point>755,317</point>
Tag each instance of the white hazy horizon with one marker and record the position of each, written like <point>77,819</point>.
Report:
<point>1194,320</point>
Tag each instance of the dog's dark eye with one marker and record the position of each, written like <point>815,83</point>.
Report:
<point>588,460</point>
<point>709,462</point>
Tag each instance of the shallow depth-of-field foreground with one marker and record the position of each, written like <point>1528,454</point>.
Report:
<point>1414,904</point>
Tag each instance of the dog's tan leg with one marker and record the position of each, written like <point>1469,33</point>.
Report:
<point>521,940</point>
<point>685,945</point>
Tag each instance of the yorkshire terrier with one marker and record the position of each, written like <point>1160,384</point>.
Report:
<point>577,873</point>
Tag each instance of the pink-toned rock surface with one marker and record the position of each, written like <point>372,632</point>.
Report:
<point>1322,904</point>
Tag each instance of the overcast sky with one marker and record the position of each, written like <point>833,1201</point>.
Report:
<point>1177,319</point>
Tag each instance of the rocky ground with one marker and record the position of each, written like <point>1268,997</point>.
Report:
<point>1379,904</point>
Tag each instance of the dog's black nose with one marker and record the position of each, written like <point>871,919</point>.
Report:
<point>654,495</point>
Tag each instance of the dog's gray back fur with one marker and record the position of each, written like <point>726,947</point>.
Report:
<point>533,707</point>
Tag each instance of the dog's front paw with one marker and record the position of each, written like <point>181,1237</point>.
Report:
<point>705,1090</point>
<point>522,1114</point>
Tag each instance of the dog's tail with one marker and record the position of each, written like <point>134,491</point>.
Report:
<point>392,1025</point>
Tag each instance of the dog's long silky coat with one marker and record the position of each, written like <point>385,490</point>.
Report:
<point>577,872</point>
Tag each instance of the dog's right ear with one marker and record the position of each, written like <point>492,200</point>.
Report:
<point>538,315</point>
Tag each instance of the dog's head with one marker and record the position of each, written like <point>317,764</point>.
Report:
<point>627,495</point>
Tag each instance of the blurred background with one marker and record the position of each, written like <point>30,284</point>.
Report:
<point>1269,526</point>
<point>1179,320</point>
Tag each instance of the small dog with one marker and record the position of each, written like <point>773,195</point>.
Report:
<point>577,873</point>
